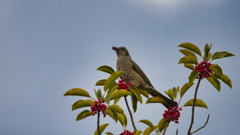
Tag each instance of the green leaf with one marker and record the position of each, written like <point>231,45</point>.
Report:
<point>119,93</point>
<point>215,83</point>
<point>149,130</point>
<point>189,59</point>
<point>100,82</point>
<point>187,52</point>
<point>189,65</point>
<point>170,94</point>
<point>206,50</point>
<point>107,99</point>
<point>156,100</point>
<point>101,128</point>
<point>112,79</point>
<point>84,114</point>
<point>136,92</point>
<point>162,124</point>
<point>222,54</point>
<point>144,93</point>
<point>147,122</point>
<point>112,89</point>
<point>120,118</point>
<point>125,120</point>
<point>116,108</point>
<point>99,94</point>
<point>191,47</point>
<point>218,70</point>
<point>174,91</point>
<point>193,76</point>
<point>77,92</point>
<point>82,103</point>
<point>106,69</point>
<point>134,103</point>
<point>184,88</point>
<point>109,133</point>
<point>199,103</point>
<point>224,78</point>
<point>112,114</point>
<point>116,100</point>
<point>138,132</point>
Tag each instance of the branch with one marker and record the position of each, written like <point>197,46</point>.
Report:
<point>166,128</point>
<point>134,127</point>
<point>98,121</point>
<point>202,126</point>
<point>193,107</point>
<point>177,132</point>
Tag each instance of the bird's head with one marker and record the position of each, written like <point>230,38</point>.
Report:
<point>121,51</point>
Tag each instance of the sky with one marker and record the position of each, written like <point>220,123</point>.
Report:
<point>51,46</point>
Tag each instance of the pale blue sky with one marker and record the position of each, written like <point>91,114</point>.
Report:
<point>50,46</point>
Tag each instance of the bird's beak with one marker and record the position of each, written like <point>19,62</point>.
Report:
<point>114,48</point>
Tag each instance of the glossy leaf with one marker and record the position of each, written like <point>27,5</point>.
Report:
<point>207,49</point>
<point>189,65</point>
<point>199,103</point>
<point>107,99</point>
<point>120,118</point>
<point>187,52</point>
<point>170,94</point>
<point>184,88</point>
<point>149,130</point>
<point>84,114</point>
<point>215,83</point>
<point>156,100</point>
<point>144,93</point>
<point>77,92</point>
<point>189,59</point>
<point>82,103</point>
<point>109,133</point>
<point>112,114</point>
<point>99,94</point>
<point>101,128</point>
<point>116,108</point>
<point>136,92</point>
<point>112,79</point>
<point>106,69</point>
<point>222,54</point>
<point>174,91</point>
<point>162,124</point>
<point>116,100</point>
<point>191,47</point>
<point>112,89</point>
<point>100,82</point>
<point>147,122</point>
<point>193,76</point>
<point>138,132</point>
<point>119,93</point>
<point>134,103</point>
<point>218,70</point>
<point>224,78</point>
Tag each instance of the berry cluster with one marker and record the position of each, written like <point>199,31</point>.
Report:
<point>204,69</point>
<point>172,114</point>
<point>98,106</point>
<point>123,85</point>
<point>126,132</point>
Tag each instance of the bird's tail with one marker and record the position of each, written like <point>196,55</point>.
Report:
<point>155,93</point>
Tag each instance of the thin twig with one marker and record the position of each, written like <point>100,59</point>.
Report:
<point>130,113</point>
<point>165,129</point>
<point>177,132</point>
<point>98,121</point>
<point>193,107</point>
<point>202,126</point>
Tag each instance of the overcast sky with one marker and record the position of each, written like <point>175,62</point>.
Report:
<point>51,46</point>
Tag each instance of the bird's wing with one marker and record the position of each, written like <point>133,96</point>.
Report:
<point>136,68</point>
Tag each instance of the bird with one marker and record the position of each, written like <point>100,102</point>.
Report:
<point>134,76</point>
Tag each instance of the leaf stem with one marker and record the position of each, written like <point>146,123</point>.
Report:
<point>130,113</point>
<point>193,107</point>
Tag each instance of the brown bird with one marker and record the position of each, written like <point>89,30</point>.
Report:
<point>134,75</point>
